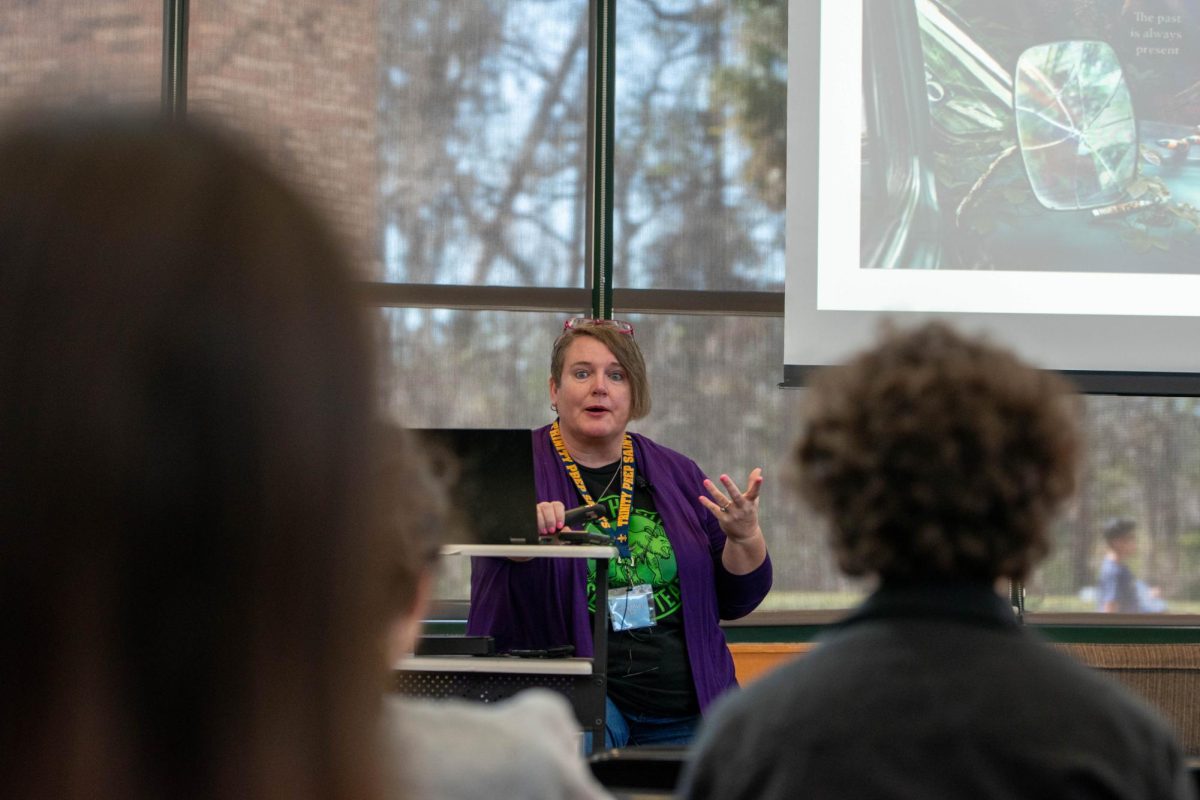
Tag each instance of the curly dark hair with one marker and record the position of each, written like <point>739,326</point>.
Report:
<point>936,454</point>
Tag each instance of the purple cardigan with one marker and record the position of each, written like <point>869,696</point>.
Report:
<point>543,602</point>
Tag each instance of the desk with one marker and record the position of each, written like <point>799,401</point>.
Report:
<point>581,680</point>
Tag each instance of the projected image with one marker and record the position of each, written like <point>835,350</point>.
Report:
<point>1031,136</point>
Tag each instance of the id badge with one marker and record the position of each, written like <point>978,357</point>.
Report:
<point>631,608</point>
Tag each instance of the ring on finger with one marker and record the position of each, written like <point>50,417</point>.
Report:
<point>726,507</point>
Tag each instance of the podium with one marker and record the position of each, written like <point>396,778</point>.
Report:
<point>582,681</point>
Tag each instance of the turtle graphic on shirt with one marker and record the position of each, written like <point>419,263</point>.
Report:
<point>652,561</point>
<point>653,557</point>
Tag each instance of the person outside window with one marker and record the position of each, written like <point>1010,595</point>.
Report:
<point>1119,591</point>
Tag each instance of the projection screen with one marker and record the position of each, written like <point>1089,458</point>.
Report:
<point>1026,169</point>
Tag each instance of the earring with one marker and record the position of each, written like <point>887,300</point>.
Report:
<point>554,407</point>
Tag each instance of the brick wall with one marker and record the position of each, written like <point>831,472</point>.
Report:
<point>62,52</point>
<point>300,77</point>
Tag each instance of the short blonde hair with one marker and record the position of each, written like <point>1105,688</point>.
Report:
<point>627,353</point>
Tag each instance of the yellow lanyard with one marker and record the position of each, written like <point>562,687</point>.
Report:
<point>620,533</point>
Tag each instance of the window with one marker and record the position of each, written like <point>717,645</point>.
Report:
<point>483,142</point>
<point>449,142</point>
<point>699,162</point>
<point>698,149</point>
<point>1143,465</point>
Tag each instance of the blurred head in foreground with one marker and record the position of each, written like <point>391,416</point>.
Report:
<point>190,607</point>
<point>938,456</point>
<point>414,514</point>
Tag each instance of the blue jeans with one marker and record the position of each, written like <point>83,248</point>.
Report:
<point>624,729</point>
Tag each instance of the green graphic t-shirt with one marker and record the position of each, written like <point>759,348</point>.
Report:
<point>648,668</point>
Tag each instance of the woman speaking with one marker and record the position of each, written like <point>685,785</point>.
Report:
<point>690,553</point>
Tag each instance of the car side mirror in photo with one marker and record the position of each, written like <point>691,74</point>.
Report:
<point>1075,124</point>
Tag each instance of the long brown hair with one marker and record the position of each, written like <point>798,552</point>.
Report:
<point>185,380</point>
